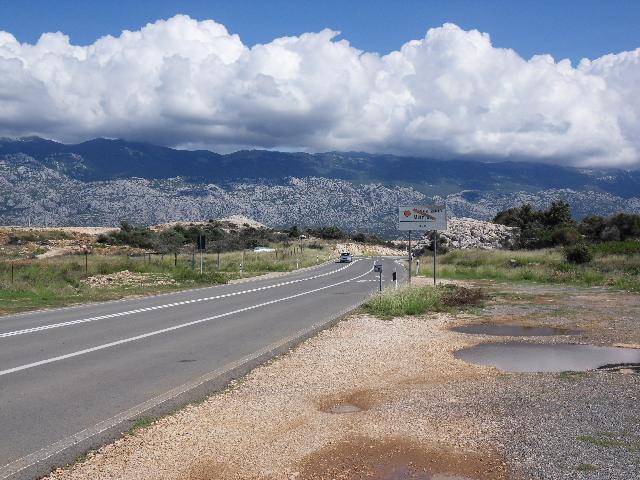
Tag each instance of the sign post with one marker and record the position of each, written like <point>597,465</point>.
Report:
<point>423,218</point>
<point>435,250</point>
<point>202,244</point>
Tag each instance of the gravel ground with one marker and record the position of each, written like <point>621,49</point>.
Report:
<point>409,400</point>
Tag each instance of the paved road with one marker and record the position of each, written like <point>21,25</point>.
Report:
<point>63,371</point>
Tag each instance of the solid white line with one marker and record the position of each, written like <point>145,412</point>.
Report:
<point>169,329</point>
<point>168,305</point>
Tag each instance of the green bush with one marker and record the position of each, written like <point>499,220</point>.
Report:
<point>578,254</point>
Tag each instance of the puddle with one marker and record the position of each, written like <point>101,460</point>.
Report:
<point>396,459</point>
<point>350,403</point>
<point>532,357</point>
<point>512,330</point>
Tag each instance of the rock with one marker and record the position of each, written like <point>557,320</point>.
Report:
<point>464,233</point>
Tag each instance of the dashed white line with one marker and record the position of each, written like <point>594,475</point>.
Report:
<point>168,305</point>
<point>170,329</point>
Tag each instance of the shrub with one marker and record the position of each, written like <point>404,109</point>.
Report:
<point>578,254</point>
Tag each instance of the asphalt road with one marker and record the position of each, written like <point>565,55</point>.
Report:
<point>64,371</point>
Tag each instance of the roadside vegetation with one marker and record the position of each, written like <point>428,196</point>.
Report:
<point>620,271</point>
<point>416,300</point>
<point>65,280</point>
<point>552,248</point>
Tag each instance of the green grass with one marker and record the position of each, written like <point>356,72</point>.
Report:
<point>620,271</point>
<point>570,375</point>
<point>627,441</point>
<point>414,300</point>
<point>141,422</point>
<point>57,281</point>
<point>586,467</point>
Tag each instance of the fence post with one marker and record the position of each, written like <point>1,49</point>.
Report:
<point>12,273</point>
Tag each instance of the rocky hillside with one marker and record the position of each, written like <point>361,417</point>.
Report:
<point>464,233</point>
<point>53,184</point>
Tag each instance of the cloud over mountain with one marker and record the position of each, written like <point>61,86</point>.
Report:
<point>451,94</point>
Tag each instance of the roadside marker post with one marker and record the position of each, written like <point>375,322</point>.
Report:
<point>418,266</point>
<point>395,279</point>
<point>378,268</point>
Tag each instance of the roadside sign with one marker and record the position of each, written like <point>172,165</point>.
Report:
<point>377,268</point>
<point>422,217</point>
<point>201,242</point>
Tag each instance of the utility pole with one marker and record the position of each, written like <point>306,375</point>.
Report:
<point>410,257</point>
<point>435,249</point>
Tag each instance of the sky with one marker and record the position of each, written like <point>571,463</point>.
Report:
<point>552,81</point>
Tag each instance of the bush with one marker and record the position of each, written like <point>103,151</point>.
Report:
<point>578,254</point>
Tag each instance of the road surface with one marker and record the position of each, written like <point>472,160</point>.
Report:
<point>68,375</point>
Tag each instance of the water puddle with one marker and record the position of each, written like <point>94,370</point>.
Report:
<point>532,357</point>
<point>396,459</point>
<point>512,330</point>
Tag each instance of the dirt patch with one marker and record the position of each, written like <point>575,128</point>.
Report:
<point>395,459</point>
<point>357,401</point>
<point>127,279</point>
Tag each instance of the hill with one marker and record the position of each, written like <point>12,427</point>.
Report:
<point>102,181</point>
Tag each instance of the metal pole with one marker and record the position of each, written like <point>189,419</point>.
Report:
<point>435,250</point>
<point>201,261</point>
<point>380,280</point>
<point>409,256</point>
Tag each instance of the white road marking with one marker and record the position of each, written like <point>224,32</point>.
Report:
<point>168,305</point>
<point>170,329</point>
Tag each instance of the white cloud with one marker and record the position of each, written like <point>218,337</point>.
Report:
<point>450,94</point>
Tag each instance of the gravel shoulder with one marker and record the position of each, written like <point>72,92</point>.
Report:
<point>369,392</point>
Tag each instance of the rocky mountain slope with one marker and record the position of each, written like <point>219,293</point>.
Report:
<point>104,182</point>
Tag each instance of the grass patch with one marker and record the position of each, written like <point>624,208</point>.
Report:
<point>141,422</point>
<point>570,375</point>
<point>605,440</point>
<point>612,266</point>
<point>413,300</point>
<point>586,467</point>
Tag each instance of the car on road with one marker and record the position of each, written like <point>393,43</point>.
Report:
<point>263,249</point>
<point>345,257</point>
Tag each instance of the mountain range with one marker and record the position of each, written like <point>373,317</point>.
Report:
<point>104,181</point>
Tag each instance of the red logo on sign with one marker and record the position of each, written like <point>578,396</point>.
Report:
<point>407,213</point>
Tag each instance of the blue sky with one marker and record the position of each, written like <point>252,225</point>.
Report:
<point>564,28</point>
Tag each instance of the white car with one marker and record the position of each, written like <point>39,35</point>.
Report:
<point>345,257</point>
<point>263,249</point>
